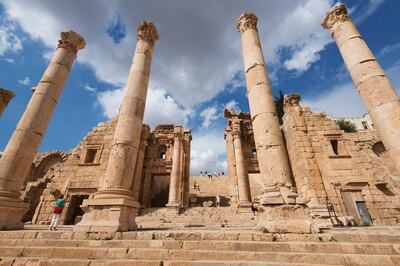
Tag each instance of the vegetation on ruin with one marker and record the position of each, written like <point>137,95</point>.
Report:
<point>346,126</point>
<point>279,106</point>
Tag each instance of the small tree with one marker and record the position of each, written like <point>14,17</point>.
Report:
<point>346,126</point>
<point>279,106</point>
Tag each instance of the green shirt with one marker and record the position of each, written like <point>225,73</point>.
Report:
<point>60,203</point>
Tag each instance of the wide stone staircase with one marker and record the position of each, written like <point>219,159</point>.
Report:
<point>209,217</point>
<point>195,246</point>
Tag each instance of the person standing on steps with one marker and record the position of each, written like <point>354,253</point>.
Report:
<point>57,212</point>
<point>217,201</point>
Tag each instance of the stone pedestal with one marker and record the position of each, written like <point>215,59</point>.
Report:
<point>377,92</point>
<point>5,98</point>
<point>18,156</point>
<point>115,196</point>
<point>174,199</point>
<point>244,202</point>
<point>271,151</point>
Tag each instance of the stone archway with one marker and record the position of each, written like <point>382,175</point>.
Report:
<point>43,170</point>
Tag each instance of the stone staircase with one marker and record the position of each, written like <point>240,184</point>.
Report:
<point>200,247</point>
<point>208,217</point>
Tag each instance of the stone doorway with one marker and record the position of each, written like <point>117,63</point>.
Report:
<point>356,207</point>
<point>74,212</point>
<point>159,190</point>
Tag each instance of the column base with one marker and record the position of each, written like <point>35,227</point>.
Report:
<point>11,212</point>
<point>286,219</point>
<point>277,196</point>
<point>244,207</point>
<point>173,207</point>
<point>108,213</point>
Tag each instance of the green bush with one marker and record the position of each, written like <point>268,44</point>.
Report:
<point>346,126</point>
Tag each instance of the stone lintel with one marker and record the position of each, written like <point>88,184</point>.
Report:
<point>246,21</point>
<point>72,41</point>
<point>338,13</point>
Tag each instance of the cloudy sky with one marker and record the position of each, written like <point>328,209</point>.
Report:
<point>197,67</point>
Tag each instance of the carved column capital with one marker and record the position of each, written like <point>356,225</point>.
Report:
<point>147,32</point>
<point>6,95</point>
<point>337,13</point>
<point>292,99</point>
<point>71,40</point>
<point>246,21</point>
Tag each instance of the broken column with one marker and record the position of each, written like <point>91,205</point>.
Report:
<point>5,98</point>
<point>174,198</point>
<point>18,156</point>
<point>113,208</point>
<point>244,201</point>
<point>271,151</point>
<point>377,92</point>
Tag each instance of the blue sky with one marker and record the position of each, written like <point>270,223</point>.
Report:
<point>197,65</point>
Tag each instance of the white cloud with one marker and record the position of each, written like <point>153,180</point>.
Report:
<point>26,81</point>
<point>88,88</point>
<point>9,60</point>
<point>194,59</point>
<point>232,105</point>
<point>367,10</point>
<point>209,115</point>
<point>389,49</point>
<point>9,41</point>
<point>160,107</point>
<point>208,152</point>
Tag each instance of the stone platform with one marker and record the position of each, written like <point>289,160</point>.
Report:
<point>207,217</point>
<point>355,246</point>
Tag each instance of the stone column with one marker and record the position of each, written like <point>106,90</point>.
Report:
<point>138,176</point>
<point>230,158</point>
<point>5,97</point>
<point>271,151</point>
<point>25,141</point>
<point>114,208</point>
<point>186,147</point>
<point>377,92</point>
<point>244,201</point>
<point>174,197</point>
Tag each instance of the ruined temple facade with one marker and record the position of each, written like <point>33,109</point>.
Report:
<point>77,174</point>
<point>351,173</point>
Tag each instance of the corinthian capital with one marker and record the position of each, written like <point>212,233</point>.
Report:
<point>246,21</point>
<point>292,99</point>
<point>72,41</point>
<point>146,31</point>
<point>337,13</point>
<point>6,95</point>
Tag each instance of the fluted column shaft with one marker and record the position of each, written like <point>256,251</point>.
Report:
<point>176,173</point>
<point>241,171</point>
<point>5,98</point>
<point>23,145</point>
<point>376,90</point>
<point>271,151</point>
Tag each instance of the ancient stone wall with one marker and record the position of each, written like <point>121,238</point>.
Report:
<point>354,167</point>
<point>79,176</point>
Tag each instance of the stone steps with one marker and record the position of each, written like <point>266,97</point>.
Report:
<point>179,254</point>
<point>200,247</point>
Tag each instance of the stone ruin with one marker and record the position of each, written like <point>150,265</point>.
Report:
<point>299,177</point>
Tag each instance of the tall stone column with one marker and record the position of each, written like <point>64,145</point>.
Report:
<point>377,92</point>
<point>18,156</point>
<point>5,97</point>
<point>174,202</point>
<point>271,151</point>
<point>230,158</point>
<point>244,202</point>
<point>113,208</point>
